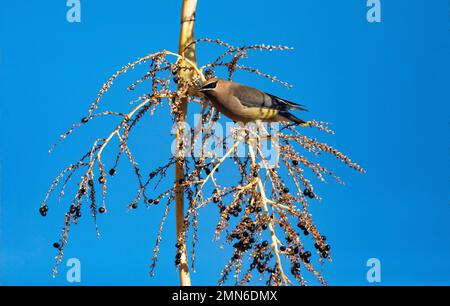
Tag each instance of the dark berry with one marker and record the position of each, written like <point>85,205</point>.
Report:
<point>295,162</point>
<point>156,201</point>
<point>252,227</point>
<point>207,171</point>
<point>282,248</point>
<point>259,209</point>
<point>235,213</point>
<point>180,181</point>
<point>295,250</point>
<point>308,193</point>
<point>302,226</point>
<point>176,79</point>
<point>43,210</point>
<point>305,232</point>
<point>78,214</point>
<point>150,201</point>
<point>178,245</point>
<point>101,210</point>
<point>216,200</point>
<point>56,245</point>
<point>134,205</point>
<point>316,245</point>
<point>306,260</point>
<point>73,209</point>
<point>178,256</point>
<point>255,174</point>
<point>327,247</point>
<point>265,243</point>
<point>324,238</point>
<point>245,234</point>
<point>177,261</point>
<point>101,180</point>
<point>90,183</point>
<point>307,254</point>
<point>285,190</point>
<point>236,256</point>
<point>83,191</point>
<point>264,227</point>
<point>324,254</point>
<point>238,208</point>
<point>112,171</point>
<point>252,266</point>
<point>84,120</point>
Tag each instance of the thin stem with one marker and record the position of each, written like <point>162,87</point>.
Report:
<point>264,201</point>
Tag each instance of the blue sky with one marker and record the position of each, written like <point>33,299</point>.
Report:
<point>385,88</point>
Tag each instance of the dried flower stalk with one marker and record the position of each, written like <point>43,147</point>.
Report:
<point>264,215</point>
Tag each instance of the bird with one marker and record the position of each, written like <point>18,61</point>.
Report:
<point>246,104</point>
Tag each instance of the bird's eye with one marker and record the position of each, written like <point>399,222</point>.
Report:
<point>211,85</point>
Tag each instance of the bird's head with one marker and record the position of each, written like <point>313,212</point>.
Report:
<point>209,85</point>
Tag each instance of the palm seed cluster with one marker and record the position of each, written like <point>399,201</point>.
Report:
<point>264,215</point>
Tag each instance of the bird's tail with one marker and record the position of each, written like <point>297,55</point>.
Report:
<point>284,104</point>
<point>293,118</point>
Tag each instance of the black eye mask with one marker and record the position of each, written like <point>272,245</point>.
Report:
<point>210,85</point>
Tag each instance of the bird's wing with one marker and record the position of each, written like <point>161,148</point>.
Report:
<point>252,97</point>
<point>249,97</point>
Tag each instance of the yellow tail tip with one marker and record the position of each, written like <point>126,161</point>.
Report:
<point>305,124</point>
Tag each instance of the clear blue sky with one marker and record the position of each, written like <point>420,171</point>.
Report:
<point>384,86</point>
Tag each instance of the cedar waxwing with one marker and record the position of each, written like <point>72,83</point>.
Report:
<point>245,104</point>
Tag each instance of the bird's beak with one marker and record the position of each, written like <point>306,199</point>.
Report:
<point>203,89</point>
<point>208,87</point>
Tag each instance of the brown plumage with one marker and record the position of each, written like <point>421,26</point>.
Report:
<point>245,104</point>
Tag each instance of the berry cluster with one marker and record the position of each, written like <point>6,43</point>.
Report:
<point>154,202</point>
<point>178,245</point>
<point>262,258</point>
<point>43,210</point>
<point>302,225</point>
<point>308,193</point>
<point>323,248</point>
<point>75,210</point>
